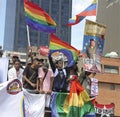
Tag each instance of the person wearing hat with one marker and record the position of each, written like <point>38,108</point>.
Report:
<point>91,49</point>
<point>46,77</point>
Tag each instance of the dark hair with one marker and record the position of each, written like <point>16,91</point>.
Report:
<point>57,61</point>
<point>87,73</point>
<point>36,59</point>
<point>75,69</point>
<point>41,60</point>
<point>16,60</point>
<point>92,40</point>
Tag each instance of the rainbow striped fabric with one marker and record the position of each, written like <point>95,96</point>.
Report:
<point>89,11</point>
<point>38,19</point>
<point>75,104</point>
<point>69,51</point>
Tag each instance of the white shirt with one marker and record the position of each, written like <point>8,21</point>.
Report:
<point>13,74</point>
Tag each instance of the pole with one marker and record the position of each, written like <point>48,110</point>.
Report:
<point>28,35</point>
<point>28,49</point>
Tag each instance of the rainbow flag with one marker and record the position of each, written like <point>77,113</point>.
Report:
<point>38,19</point>
<point>89,11</point>
<point>70,52</point>
<point>75,104</point>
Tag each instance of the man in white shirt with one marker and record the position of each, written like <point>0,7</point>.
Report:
<point>16,72</point>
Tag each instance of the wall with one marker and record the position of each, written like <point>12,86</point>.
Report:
<point>109,85</point>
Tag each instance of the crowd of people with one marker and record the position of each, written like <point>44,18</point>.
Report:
<point>40,76</point>
<point>44,77</point>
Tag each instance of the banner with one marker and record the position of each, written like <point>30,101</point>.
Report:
<point>92,65</point>
<point>94,87</point>
<point>3,69</point>
<point>34,104</point>
<point>44,50</point>
<point>94,31</point>
<point>11,99</point>
<point>17,103</point>
<point>104,110</point>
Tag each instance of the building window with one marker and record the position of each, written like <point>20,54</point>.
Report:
<point>111,69</point>
<point>112,86</point>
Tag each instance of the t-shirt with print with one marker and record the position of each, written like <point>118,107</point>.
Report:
<point>28,72</point>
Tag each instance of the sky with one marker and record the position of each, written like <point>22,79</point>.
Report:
<point>77,30</point>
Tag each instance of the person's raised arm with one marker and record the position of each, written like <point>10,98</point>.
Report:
<point>53,67</point>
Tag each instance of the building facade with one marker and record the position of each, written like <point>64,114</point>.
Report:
<point>59,10</point>
<point>109,83</point>
<point>9,24</point>
<point>110,16</point>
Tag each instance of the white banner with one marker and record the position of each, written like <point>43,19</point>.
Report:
<point>34,104</point>
<point>17,103</point>
<point>92,65</point>
<point>94,87</point>
<point>104,110</point>
<point>3,69</point>
<point>11,100</point>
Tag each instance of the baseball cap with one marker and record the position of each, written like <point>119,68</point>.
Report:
<point>15,56</point>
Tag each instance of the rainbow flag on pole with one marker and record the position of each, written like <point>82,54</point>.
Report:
<point>38,19</point>
<point>89,11</point>
<point>69,51</point>
<point>75,104</point>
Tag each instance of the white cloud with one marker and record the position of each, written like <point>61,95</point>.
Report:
<point>80,5</point>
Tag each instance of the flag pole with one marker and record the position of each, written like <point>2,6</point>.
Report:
<point>29,50</point>
<point>28,35</point>
<point>97,9</point>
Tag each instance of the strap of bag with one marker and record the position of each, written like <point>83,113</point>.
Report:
<point>43,79</point>
<point>45,75</point>
<point>83,80</point>
<point>30,78</point>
